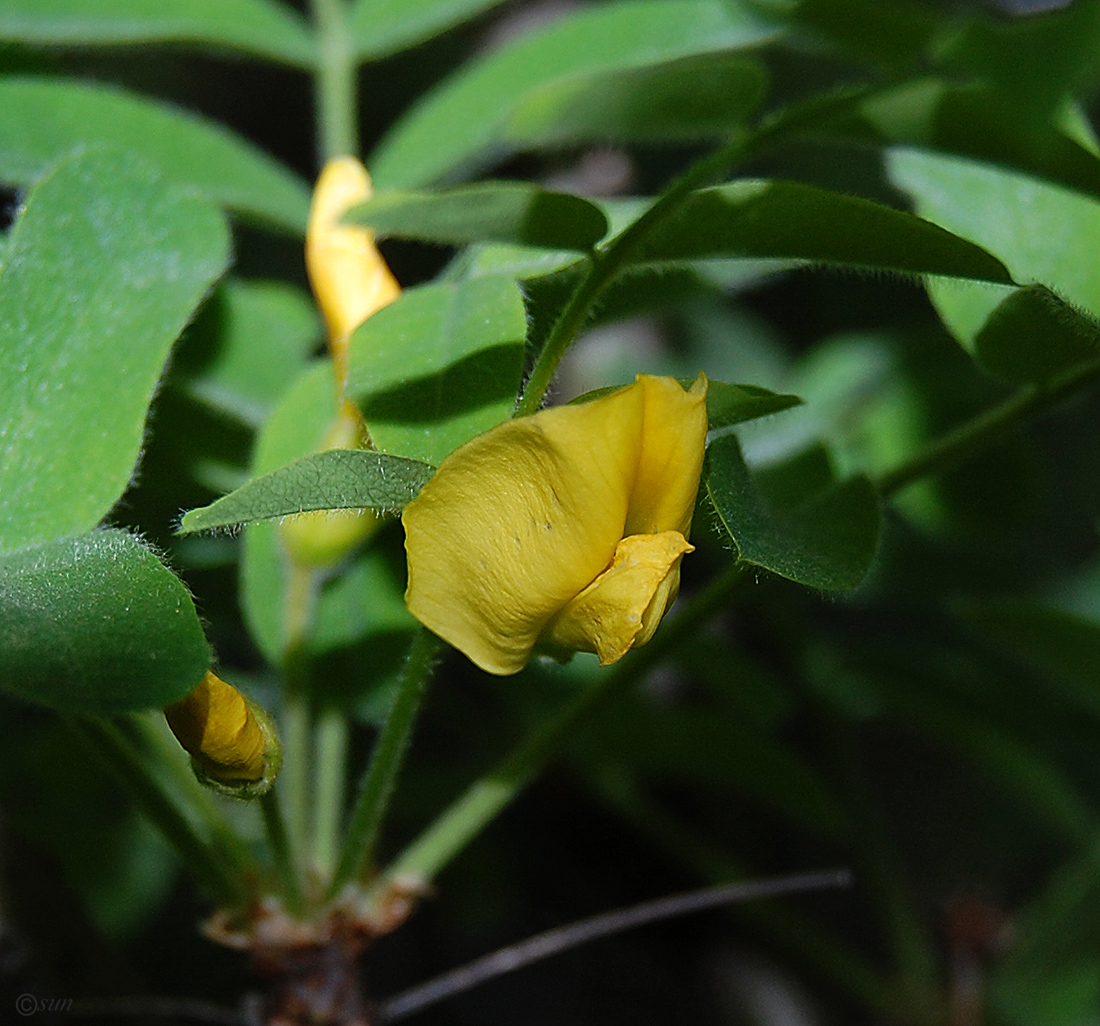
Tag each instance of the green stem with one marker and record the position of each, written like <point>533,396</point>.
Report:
<point>176,763</point>
<point>281,855</point>
<point>294,779</point>
<point>161,808</point>
<point>335,81</point>
<point>986,427</point>
<point>484,799</point>
<point>331,746</point>
<point>389,751</point>
<point>606,263</point>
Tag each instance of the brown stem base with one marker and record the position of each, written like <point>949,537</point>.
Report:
<point>310,968</point>
<point>314,984</point>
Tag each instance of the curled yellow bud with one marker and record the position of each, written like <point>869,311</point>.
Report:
<point>561,531</point>
<point>350,280</point>
<point>231,740</point>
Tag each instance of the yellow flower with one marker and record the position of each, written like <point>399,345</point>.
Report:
<point>349,278</point>
<point>230,740</point>
<point>350,281</point>
<point>561,531</point>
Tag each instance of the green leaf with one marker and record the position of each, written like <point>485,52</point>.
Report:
<point>366,597</point>
<point>43,120</point>
<point>382,27</point>
<point>827,540</point>
<point>519,262</point>
<point>701,97</point>
<point>67,803</point>
<point>439,365</point>
<point>258,27</point>
<point>1032,336</point>
<point>510,212</point>
<point>726,404</point>
<point>458,126</point>
<point>295,428</point>
<point>333,479</point>
<point>1063,646</point>
<point>248,343</point>
<point>977,122</point>
<point>884,33</point>
<point>1063,991</point>
<point>789,220</point>
<point>96,623</point>
<point>103,269</point>
<point>1013,216</point>
<point>734,404</point>
<point>1049,976</point>
<point>1031,64</point>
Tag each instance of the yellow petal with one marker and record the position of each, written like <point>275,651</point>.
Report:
<point>674,433</point>
<point>622,607</point>
<point>214,724</point>
<point>517,522</point>
<point>347,273</point>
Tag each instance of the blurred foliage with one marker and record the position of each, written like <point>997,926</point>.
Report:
<point>905,679</point>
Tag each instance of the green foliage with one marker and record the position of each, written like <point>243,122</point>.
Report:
<point>439,365</point>
<point>362,601</point>
<point>734,404</point>
<point>1033,336</point>
<point>381,27</point>
<point>885,650</point>
<point>97,623</point>
<point>883,33</point>
<point>818,532</point>
<point>701,96</point>
<point>51,790</point>
<point>1012,216</point>
<point>509,212</point>
<point>92,620</point>
<point>219,362</point>
<point>334,479</point>
<point>452,130</point>
<point>784,219</point>
<point>43,120</point>
<point>254,27</point>
<point>102,271</point>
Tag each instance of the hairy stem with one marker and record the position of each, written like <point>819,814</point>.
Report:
<point>605,264</point>
<point>487,797</point>
<point>386,759</point>
<point>281,854</point>
<point>294,780</point>
<point>331,746</point>
<point>987,427</point>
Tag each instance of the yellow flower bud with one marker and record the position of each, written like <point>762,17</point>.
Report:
<point>231,740</point>
<point>319,539</point>
<point>350,280</point>
<point>561,531</point>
